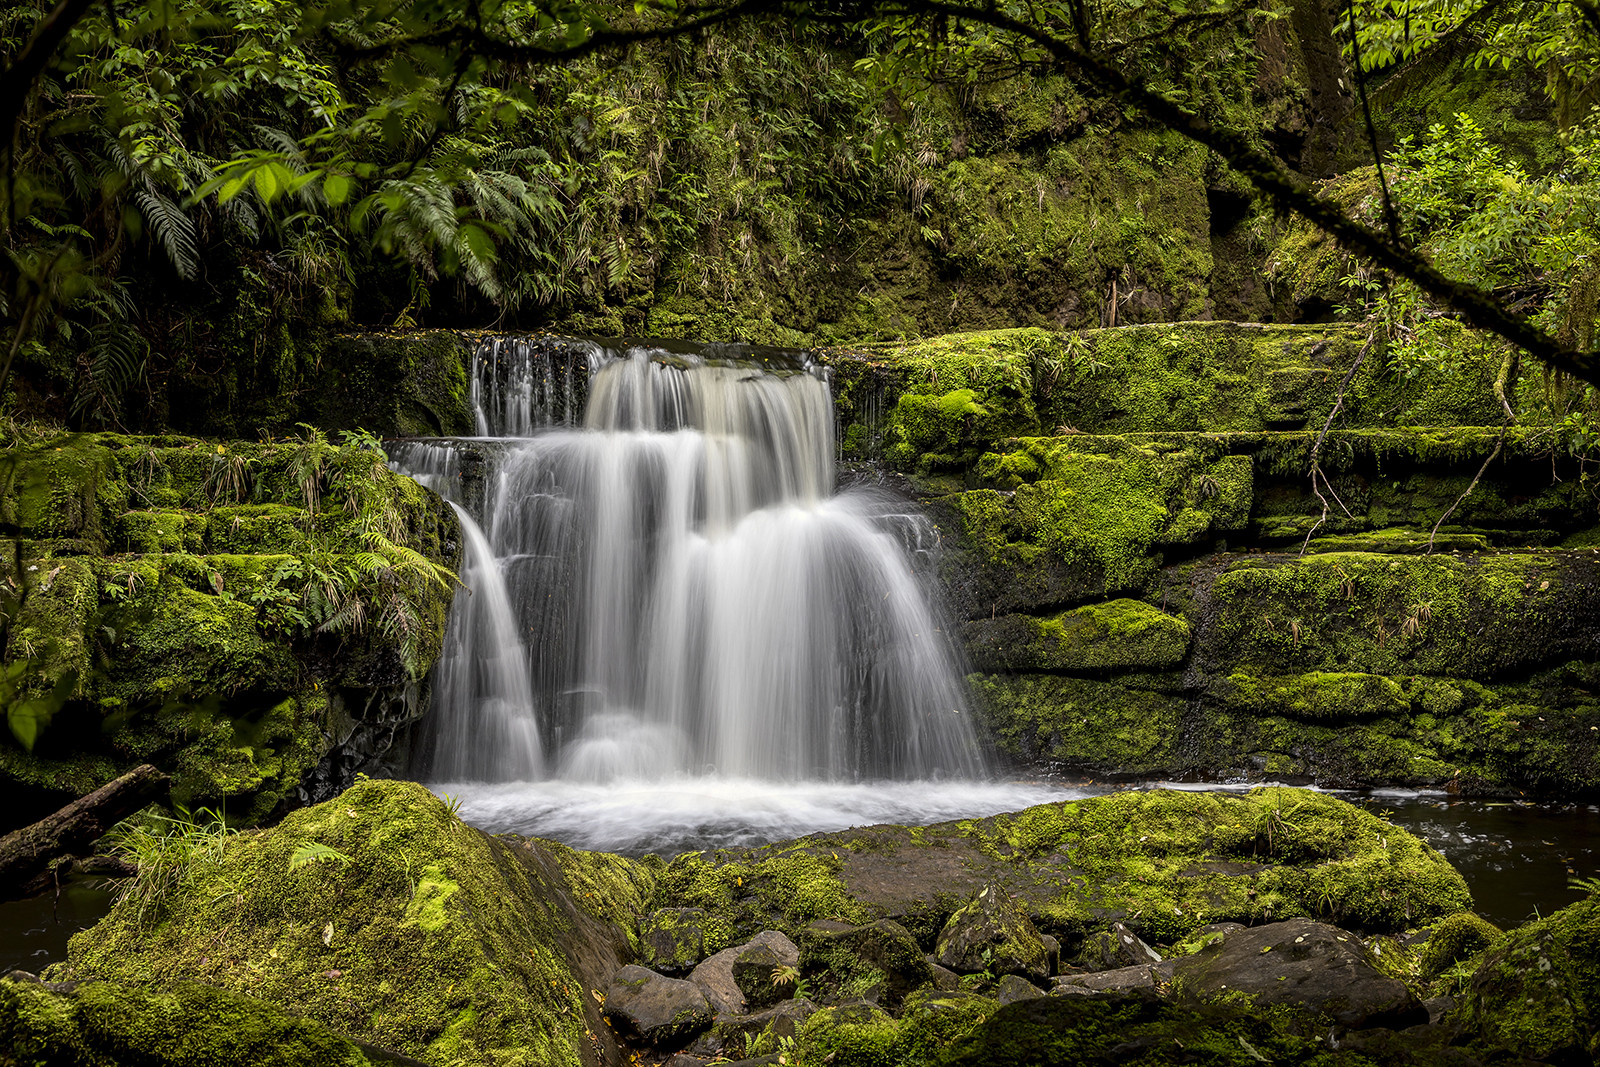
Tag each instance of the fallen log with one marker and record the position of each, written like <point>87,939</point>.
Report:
<point>28,853</point>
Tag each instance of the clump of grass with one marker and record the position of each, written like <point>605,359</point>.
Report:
<point>166,853</point>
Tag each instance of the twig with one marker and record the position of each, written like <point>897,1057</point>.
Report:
<point>1507,369</point>
<point>1316,449</point>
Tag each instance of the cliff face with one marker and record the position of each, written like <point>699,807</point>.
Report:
<point>259,619</point>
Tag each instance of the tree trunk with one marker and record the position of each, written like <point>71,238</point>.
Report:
<point>27,853</point>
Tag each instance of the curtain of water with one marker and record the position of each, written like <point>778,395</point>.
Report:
<point>695,597</point>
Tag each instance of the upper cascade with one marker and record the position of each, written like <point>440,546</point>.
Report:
<point>689,594</point>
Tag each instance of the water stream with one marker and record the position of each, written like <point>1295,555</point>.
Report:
<point>665,587</point>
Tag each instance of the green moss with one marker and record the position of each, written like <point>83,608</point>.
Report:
<point>1080,723</point>
<point>1102,506</point>
<point>188,1025</point>
<point>215,666</point>
<point>1474,617</point>
<point>1454,939</point>
<point>64,487</point>
<point>432,939</point>
<point>1317,695</point>
<point>767,889</point>
<point>1116,634</point>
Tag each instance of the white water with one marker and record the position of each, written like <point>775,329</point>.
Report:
<point>673,614</point>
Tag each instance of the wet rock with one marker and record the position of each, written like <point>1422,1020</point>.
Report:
<point>1301,962</point>
<point>1121,980</point>
<point>672,940</point>
<point>993,935</point>
<point>656,1010</point>
<point>1116,948</point>
<point>879,962</point>
<point>715,974</point>
<point>1011,989</point>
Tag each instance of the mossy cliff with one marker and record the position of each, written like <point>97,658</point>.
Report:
<point>257,619</point>
<point>1149,581</point>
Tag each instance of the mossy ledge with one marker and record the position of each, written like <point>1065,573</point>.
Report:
<point>255,618</point>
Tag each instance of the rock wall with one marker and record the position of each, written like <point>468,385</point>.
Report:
<point>258,619</point>
<point>1148,583</point>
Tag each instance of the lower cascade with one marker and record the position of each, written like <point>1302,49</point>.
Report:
<point>669,585</point>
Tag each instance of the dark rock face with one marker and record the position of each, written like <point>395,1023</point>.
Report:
<point>879,962</point>
<point>1310,964</point>
<point>656,1010</point>
<point>993,934</point>
<point>672,940</point>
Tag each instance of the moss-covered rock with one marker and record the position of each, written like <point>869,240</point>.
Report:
<point>1115,635</point>
<point>186,1025</point>
<point>1165,863</point>
<point>1452,940</point>
<point>1537,993</point>
<point>1120,727</point>
<point>382,917</point>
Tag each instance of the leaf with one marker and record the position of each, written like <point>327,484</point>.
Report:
<point>327,934</point>
<point>337,188</point>
<point>316,852</point>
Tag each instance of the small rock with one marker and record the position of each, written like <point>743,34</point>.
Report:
<point>1121,980</point>
<point>944,979</point>
<point>715,974</point>
<point>1012,989</point>
<point>658,1011</point>
<point>993,935</point>
<point>683,1059</point>
<point>672,940</point>
<point>1052,954</point>
<point>1116,948</point>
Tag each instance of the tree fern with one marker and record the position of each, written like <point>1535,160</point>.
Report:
<point>173,229</point>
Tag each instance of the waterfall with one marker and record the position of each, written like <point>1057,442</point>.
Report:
<point>667,584</point>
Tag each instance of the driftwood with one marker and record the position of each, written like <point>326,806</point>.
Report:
<point>27,855</point>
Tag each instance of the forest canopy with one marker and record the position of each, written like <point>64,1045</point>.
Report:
<point>187,179</point>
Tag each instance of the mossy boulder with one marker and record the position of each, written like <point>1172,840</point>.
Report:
<point>1455,939</point>
<point>402,384</point>
<point>1537,992</point>
<point>992,935</point>
<point>185,1025</point>
<point>1318,695</point>
<point>384,918</point>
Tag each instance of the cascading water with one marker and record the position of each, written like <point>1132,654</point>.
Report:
<point>667,589</point>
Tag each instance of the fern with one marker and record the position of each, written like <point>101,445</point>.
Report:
<point>173,229</point>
